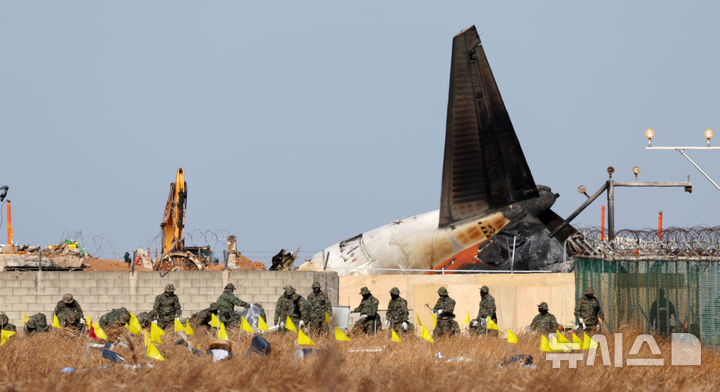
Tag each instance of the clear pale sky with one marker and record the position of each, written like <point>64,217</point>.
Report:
<point>304,123</point>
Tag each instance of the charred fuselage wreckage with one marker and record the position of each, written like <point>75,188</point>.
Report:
<point>492,215</point>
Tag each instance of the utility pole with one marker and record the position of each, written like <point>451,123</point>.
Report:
<point>681,149</point>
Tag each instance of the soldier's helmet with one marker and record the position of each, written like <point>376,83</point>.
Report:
<point>364,291</point>
<point>316,285</point>
<point>395,291</point>
<point>229,286</point>
<point>442,291</point>
<point>484,290</point>
<point>3,318</point>
<point>170,287</point>
<point>67,298</point>
<point>543,306</point>
<point>289,290</point>
<point>213,306</point>
<point>30,325</point>
<point>589,291</point>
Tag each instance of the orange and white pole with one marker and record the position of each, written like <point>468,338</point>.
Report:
<point>602,223</point>
<point>660,225</point>
<point>10,230</point>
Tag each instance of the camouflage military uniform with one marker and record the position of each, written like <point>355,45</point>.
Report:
<point>5,323</point>
<point>68,304</point>
<point>443,309</point>
<point>318,304</point>
<point>397,313</point>
<point>203,317</point>
<point>588,309</point>
<point>369,321</point>
<point>37,323</point>
<point>226,305</point>
<point>292,305</point>
<point>145,319</point>
<point>544,322</point>
<point>486,309</point>
<point>167,307</point>
<point>69,319</point>
<point>115,318</point>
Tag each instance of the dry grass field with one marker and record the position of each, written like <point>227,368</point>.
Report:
<point>468,364</point>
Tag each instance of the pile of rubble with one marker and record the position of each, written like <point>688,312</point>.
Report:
<point>67,255</point>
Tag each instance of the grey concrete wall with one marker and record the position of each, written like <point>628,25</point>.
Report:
<point>99,292</point>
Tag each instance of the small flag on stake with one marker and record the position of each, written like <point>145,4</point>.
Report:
<point>222,334</point>
<point>153,352</point>
<point>327,318</point>
<point>511,338</point>
<point>88,321</point>
<point>56,322</point>
<point>4,335</point>
<point>545,344</point>
<point>178,327</point>
<point>98,331</point>
<point>25,318</point>
<point>304,339</point>
<point>156,333</point>
<point>214,322</point>
<point>289,325</point>
<point>134,325</point>
<point>425,334</point>
<point>395,337</point>
<point>491,324</point>
<point>466,320</point>
<point>561,338</point>
<point>189,331</point>
<point>588,343</point>
<point>434,320</point>
<point>262,325</point>
<point>576,342</point>
<point>245,326</point>
<point>340,335</point>
<point>555,346</point>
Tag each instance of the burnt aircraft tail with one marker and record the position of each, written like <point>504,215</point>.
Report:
<point>484,168</point>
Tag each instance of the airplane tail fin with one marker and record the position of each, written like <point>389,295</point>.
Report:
<point>484,167</point>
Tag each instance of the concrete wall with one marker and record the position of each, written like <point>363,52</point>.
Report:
<point>516,295</point>
<point>98,292</point>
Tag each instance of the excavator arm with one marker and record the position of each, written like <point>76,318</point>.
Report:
<point>174,217</point>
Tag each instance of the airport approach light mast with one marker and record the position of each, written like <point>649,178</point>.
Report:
<point>681,149</point>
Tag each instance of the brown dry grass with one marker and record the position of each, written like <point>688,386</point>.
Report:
<point>34,363</point>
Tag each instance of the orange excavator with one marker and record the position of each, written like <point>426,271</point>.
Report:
<point>174,254</point>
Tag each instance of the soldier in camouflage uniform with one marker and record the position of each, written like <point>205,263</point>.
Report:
<point>37,323</point>
<point>167,307</point>
<point>69,319</point>
<point>544,322</point>
<point>203,317</point>
<point>487,309</point>
<point>226,305</point>
<point>444,311</point>
<point>5,323</point>
<point>68,303</point>
<point>290,304</point>
<point>397,313</point>
<point>318,304</point>
<point>115,318</point>
<point>588,311</point>
<point>145,319</point>
<point>369,321</point>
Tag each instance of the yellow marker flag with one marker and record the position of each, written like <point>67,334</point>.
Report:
<point>491,325</point>
<point>466,320</point>
<point>576,342</point>
<point>511,338</point>
<point>99,331</point>
<point>153,352</point>
<point>545,344</point>
<point>245,326</point>
<point>189,331</point>
<point>425,334</point>
<point>588,343</point>
<point>178,327</point>
<point>304,339</point>
<point>222,334</point>
<point>555,346</point>
<point>395,337</point>
<point>289,325</point>
<point>434,320</point>
<point>88,321</point>
<point>340,335</point>
<point>327,318</point>
<point>214,322</point>
<point>56,322</point>
<point>156,333</point>
<point>262,325</point>
<point>561,338</point>
<point>25,318</point>
<point>4,335</point>
<point>134,325</point>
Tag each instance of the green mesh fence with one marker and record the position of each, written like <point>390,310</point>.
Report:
<point>659,296</point>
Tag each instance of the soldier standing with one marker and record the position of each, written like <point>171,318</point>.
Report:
<point>486,309</point>
<point>544,322</point>
<point>662,314</point>
<point>290,304</point>
<point>397,313</point>
<point>167,307</point>
<point>318,304</point>
<point>5,323</point>
<point>588,312</point>
<point>369,321</point>
<point>226,304</point>
<point>69,304</point>
<point>443,309</point>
